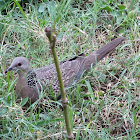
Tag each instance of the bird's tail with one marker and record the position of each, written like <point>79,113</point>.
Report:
<point>95,57</point>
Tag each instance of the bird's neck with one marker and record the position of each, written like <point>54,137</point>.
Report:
<point>24,73</point>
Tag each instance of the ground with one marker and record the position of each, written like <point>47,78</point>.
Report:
<point>104,104</point>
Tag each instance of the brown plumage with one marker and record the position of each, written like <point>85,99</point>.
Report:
<point>30,82</point>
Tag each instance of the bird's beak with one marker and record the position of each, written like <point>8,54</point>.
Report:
<point>9,69</point>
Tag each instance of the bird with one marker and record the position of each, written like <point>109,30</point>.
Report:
<point>31,81</point>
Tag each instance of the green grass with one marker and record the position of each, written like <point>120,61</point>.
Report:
<point>104,104</point>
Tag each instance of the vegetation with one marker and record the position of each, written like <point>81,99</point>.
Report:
<point>104,104</point>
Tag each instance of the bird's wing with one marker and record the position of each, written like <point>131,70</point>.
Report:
<point>69,69</point>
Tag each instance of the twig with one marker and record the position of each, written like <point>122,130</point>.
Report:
<point>52,39</point>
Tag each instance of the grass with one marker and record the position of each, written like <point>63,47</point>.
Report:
<point>104,104</point>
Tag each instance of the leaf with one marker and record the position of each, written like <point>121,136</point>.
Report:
<point>71,117</point>
<point>2,5</point>
<point>89,87</point>
<point>131,4</point>
<point>51,9</point>
<point>107,8</point>
<point>100,93</point>
<point>121,7</point>
<point>135,117</point>
<point>137,74</point>
<point>132,14</point>
<point>24,101</point>
<point>41,8</point>
<point>1,74</point>
<point>5,103</point>
<point>77,135</point>
<point>20,8</point>
<point>44,122</point>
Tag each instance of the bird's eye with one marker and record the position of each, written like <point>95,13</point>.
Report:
<point>19,64</point>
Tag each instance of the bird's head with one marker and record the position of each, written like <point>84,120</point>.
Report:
<point>19,64</point>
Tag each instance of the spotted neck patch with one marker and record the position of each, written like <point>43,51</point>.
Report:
<point>31,79</point>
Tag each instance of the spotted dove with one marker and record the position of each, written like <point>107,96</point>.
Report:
<point>30,82</point>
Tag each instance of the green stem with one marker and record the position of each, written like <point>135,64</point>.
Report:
<point>59,74</point>
<point>52,40</point>
<point>63,95</point>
